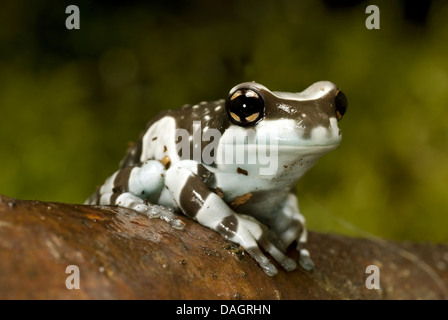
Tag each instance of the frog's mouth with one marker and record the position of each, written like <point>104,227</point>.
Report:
<point>248,151</point>
<point>284,134</point>
<point>285,145</point>
<point>279,149</point>
<point>298,148</point>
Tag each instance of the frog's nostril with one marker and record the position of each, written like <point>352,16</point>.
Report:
<point>341,104</point>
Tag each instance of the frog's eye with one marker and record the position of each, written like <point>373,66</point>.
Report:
<point>245,107</point>
<point>341,104</point>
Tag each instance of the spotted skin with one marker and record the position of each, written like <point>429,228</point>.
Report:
<point>254,209</point>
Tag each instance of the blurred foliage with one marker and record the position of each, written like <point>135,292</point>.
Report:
<point>71,100</point>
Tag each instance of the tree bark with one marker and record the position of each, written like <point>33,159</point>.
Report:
<point>125,255</point>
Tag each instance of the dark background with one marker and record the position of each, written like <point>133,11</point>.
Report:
<point>72,100</point>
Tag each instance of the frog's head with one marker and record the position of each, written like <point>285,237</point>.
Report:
<point>303,125</point>
<point>305,119</point>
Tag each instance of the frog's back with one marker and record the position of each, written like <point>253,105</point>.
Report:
<point>162,133</point>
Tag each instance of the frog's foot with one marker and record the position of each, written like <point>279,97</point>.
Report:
<point>292,232</point>
<point>251,234</point>
<point>305,260</point>
<point>131,201</point>
<point>157,211</point>
<point>290,226</point>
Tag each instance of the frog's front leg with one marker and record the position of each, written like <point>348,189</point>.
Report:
<point>199,203</point>
<point>290,225</point>
<point>135,187</point>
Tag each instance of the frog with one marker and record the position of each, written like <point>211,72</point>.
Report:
<point>180,165</point>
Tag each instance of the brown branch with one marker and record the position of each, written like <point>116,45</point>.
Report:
<point>125,255</point>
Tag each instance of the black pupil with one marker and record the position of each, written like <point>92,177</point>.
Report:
<point>246,105</point>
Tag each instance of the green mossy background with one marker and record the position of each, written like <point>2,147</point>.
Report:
<point>72,100</point>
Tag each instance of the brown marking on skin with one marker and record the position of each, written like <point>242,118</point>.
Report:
<point>240,200</point>
<point>228,226</point>
<point>119,190</point>
<point>120,183</point>
<point>133,154</point>
<point>206,176</point>
<point>203,173</point>
<point>116,193</point>
<point>241,171</point>
<point>192,196</point>
<point>218,191</point>
<point>218,119</point>
<point>166,161</point>
<point>164,148</point>
<point>155,138</point>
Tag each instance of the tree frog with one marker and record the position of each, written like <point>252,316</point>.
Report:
<point>232,166</point>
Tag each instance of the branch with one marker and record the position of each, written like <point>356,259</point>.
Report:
<point>125,255</point>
